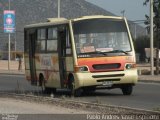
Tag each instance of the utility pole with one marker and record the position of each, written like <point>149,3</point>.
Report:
<point>151,36</point>
<point>9,46</point>
<point>157,53</point>
<point>15,42</point>
<point>59,6</point>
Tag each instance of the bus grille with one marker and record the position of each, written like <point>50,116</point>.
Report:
<point>106,66</point>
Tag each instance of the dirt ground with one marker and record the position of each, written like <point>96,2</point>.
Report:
<point>12,106</point>
<point>13,65</point>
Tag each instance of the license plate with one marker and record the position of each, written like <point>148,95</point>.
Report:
<point>107,83</point>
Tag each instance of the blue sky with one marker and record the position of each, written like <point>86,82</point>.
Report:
<point>134,9</point>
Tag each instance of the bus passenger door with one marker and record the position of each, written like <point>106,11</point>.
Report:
<point>32,39</point>
<point>62,55</point>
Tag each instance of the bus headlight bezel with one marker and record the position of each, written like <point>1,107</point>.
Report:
<point>81,69</point>
<point>130,66</point>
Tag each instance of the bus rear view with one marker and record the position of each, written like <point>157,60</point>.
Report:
<point>105,54</point>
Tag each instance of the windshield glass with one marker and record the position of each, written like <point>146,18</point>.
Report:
<point>101,36</point>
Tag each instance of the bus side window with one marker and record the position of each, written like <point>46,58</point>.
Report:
<point>41,40</point>
<point>68,43</point>
<point>52,40</point>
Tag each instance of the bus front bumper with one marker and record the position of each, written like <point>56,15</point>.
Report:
<point>106,79</point>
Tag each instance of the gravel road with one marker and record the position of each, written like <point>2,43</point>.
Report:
<point>12,106</point>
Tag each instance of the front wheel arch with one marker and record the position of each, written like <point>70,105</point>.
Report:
<point>71,86</point>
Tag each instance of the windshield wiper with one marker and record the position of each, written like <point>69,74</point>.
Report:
<point>118,51</point>
<point>99,52</point>
<point>95,52</point>
<point>105,53</point>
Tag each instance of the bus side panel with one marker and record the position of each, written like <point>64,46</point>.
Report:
<point>49,66</point>
<point>69,64</point>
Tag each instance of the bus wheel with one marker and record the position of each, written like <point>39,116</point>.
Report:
<point>71,86</point>
<point>127,89</point>
<point>78,92</point>
<point>42,83</point>
<point>89,89</point>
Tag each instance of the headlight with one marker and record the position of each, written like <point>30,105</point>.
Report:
<point>130,66</point>
<point>81,69</point>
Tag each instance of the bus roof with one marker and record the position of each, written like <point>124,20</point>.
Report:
<point>50,21</point>
<point>97,16</point>
<point>58,21</point>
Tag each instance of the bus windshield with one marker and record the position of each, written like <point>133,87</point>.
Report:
<point>101,36</point>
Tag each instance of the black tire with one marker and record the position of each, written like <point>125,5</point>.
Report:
<point>49,90</point>
<point>42,83</point>
<point>71,86</point>
<point>127,89</point>
<point>78,92</point>
<point>89,89</point>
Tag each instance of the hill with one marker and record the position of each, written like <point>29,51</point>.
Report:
<point>33,11</point>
